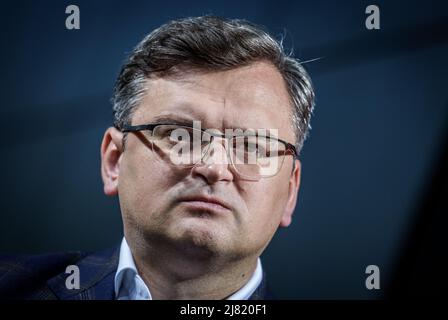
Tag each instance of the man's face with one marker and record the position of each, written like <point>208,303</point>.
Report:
<point>155,196</point>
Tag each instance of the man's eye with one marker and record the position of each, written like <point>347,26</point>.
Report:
<point>170,132</point>
<point>248,145</point>
<point>178,135</point>
<point>170,135</point>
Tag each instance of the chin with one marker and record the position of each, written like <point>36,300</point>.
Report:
<point>201,236</point>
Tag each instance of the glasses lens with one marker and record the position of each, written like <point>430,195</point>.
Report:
<point>255,157</point>
<point>179,145</point>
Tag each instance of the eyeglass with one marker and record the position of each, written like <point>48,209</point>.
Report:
<point>252,156</point>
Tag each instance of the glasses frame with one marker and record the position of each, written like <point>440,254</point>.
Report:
<point>150,127</point>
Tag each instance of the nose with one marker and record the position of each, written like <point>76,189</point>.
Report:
<point>214,166</point>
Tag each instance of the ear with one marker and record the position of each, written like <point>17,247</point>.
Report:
<point>294,184</point>
<point>111,152</point>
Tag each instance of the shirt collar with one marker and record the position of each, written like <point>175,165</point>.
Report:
<point>130,286</point>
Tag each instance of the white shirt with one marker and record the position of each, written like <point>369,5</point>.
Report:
<point>130,286</point>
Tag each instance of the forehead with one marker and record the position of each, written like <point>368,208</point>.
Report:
<point>254,97</point>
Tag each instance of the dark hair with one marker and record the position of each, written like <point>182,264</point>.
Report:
<point>204,44</point>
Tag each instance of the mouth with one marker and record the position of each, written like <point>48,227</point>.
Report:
<point>205,203</point>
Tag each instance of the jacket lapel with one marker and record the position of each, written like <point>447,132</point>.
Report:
<point>97,273</point>
<point>262,292</point>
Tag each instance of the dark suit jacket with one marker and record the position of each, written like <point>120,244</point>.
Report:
<point>42,277</point>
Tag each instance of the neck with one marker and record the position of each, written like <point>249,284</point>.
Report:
<point>181,274</point>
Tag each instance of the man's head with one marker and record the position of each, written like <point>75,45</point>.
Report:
<point>227,74</point>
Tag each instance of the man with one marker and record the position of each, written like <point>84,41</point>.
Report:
<point>194,228</point>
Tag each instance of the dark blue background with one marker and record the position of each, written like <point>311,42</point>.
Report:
<point>378,128</point>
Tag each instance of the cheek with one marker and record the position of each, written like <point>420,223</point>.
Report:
<point>142,182</point>
<point>265,202</point>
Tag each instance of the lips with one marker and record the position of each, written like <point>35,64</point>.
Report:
<point>206,203</point>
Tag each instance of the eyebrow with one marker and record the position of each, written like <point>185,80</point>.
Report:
<point>187,120</point>
<point>173,119</point>
<point>184,114</point>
